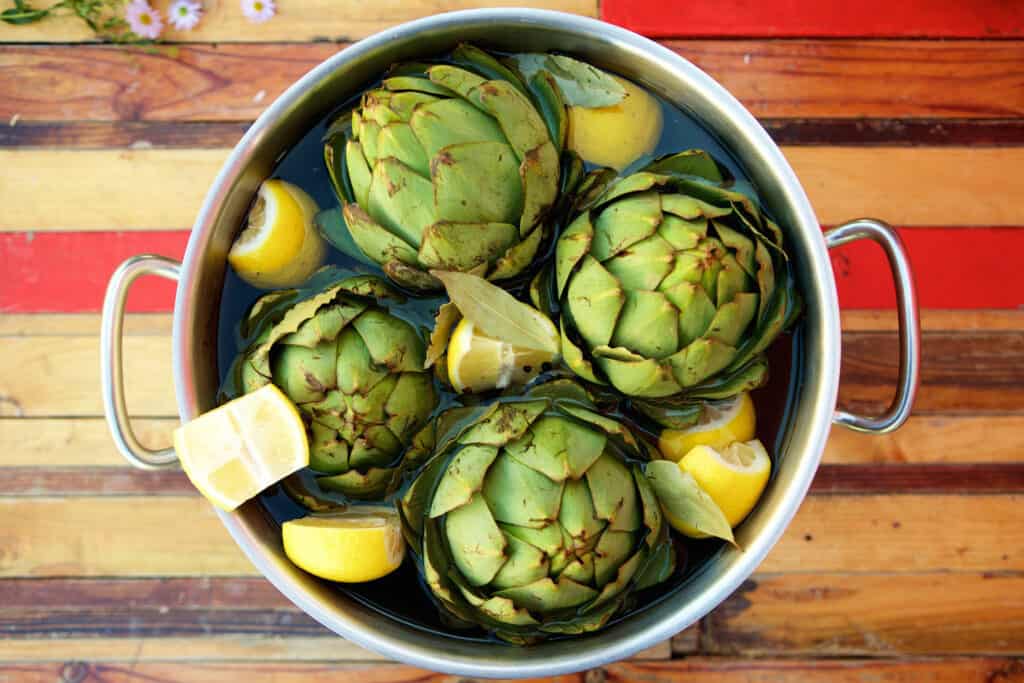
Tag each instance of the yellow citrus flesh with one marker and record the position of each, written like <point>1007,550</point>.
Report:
<point>734,477</point>
<point>478,363</point>
<point>721,425</point>
<point>351,547</point>
<point>280,246</point>
<point>616,136</point>
<point>235,451</point>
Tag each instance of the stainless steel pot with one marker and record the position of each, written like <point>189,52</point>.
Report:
<point>200,279</point>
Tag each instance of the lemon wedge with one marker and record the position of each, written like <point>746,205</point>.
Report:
<point>280,245</point>
<point>235,451</point>
<point>618,135</point>
<point>721,424</point>
<point>351,547</point>
<point>477,362</point>
<point>734,477</point>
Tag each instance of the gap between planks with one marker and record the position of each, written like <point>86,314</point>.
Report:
<point>952,478</point>
<point>842,182</point>
<point>802,131</point>
<point>114,536</point>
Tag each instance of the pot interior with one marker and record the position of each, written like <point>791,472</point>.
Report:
<point>802,396</point>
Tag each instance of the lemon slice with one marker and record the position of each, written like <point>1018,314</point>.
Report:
<point>280,246</point>
<point>235,451</point>
<point>351,547</point>
<point>734,477</point>
<point>721,424</point>
<point>477,362</point>
<point>618,135</point>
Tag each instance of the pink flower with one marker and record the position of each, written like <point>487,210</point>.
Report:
<point>143,20</point>
<point>184,14</point>
<point>258,11</point>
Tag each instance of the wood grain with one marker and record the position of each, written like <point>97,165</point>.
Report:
<point>938,478</point>
<point>252,672</point>
<point>843,183</point>
<point>79,324</point>
<point>187,83</point>
<point>863,79</point>
<point>114,536</point>
<point>962,373</point>
<point>59,377</point>
<point>73,443</point>
<point>118,481</point>
<point>48,456</point>
<point>195,649</point>
<point>960,478</point>
<point>903,132</point>
<point>899,184</point>
<point>113,190</point>
<point>785,18</point>
<point>728,670</point>
<point>301,20</point>
<point>794,79</point>
<point>853,320</point>
<point>933,439</point>
<point>219,134</point>
<point>690,670</point>
<point>902,533</point>
<point>871,614</point>
<point>932,320</point>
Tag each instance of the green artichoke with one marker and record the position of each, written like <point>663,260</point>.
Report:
<point>450,167</point>
<point>533,517</point>
<point>354,370</point>
<point>672,283</point>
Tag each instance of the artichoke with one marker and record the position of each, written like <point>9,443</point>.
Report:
<point>355,372</point>
<point>533,517</point>
<point>672,283</point>
<point>452,167</point>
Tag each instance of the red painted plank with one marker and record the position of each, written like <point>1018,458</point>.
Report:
<point>955,268</point>
<point>68,272</point>
<point>812,18</point>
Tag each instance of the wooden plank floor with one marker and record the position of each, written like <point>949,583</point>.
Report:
<point>905,564</point>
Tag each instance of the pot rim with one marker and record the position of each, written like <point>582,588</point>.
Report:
<point>822,392</point>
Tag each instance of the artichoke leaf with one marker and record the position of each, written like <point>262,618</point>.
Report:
<point>581,84</point>
<point>696,162</point>
<point>371,484</point>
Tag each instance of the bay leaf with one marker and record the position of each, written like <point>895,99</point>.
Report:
<point>582,85</point>
<point>447,318</point>
<point>498,314</point>
<point>682,498</point>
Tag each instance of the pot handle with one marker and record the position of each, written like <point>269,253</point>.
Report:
<point>111,370</point>
<point>909,324</point>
